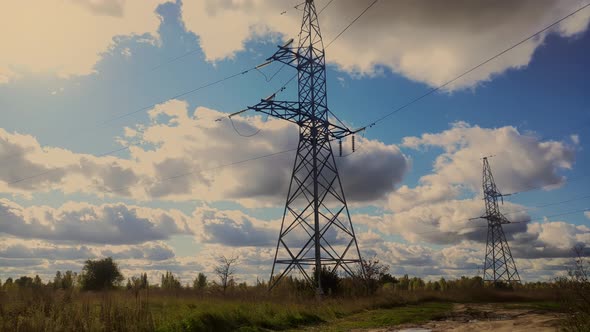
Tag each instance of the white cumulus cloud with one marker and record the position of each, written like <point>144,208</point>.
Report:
<point>430,42</point>
<point>186,155</point>
<point>86,223</point>
<point>521,162</point>
<point>67,37</point>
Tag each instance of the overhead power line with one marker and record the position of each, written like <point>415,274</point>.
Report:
<point>196,50</point>
<point>433,90</point>
<point>30,177</point>
<point>206,85</point>
<point>325,6</point>
<point>202,87</point>
<point>235,163</point>
<point>351,23</point>
<point>191,172</point>
<point>282,88</point>
<point>543,205</point>
<point>233,125</point>
<point>326,47</point>
<point>371,124</point>
<point>180,175</point>
<point>172,177</point>
<point>567,213</point>
<point>191,52</point>
<point>181,95</point>
<point>321,206</point>
<point>574,199</point>
<point>174,59</point>
<point>533,188</point>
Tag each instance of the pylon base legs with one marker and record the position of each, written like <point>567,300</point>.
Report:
<point>499,266</point>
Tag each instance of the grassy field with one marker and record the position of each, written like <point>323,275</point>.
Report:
<point>120,310</point>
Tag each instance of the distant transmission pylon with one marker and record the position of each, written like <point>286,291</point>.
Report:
<point>499,264</point>
<point>316,231</point>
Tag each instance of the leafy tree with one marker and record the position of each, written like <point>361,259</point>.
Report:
<point>136,284</point>
<point>37,282</point>
<point>225,271</point>
<point>436,286</point>
<point>374,273</point>
<point>57,281</point>
<point>416,284</point>
<point>100,274</point>
<point>64,280</point>
<point>387,278</point>
<point>169,281</point>
<point>69,279</point>
<point>8,283</point>
<point>200,282</point>
<point>404,283</point>
<point>24,282</point>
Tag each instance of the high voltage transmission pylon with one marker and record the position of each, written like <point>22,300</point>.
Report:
<point>316,230</point>
<point>499,264</point>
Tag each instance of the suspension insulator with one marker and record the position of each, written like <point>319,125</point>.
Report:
<point>353,144</point>
<point>340,146</point>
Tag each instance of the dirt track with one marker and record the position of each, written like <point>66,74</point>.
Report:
<point>475,318</point>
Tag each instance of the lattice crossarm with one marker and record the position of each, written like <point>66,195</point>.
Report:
<point>286,54</point>
<point>504,220</point>
<point>340,132</point>
<point>286,110</point>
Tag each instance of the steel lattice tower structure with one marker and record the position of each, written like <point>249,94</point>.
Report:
<point>499,264</point>
<point>316,230</point>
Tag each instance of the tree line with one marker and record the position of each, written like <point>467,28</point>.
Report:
<point>104,274</point>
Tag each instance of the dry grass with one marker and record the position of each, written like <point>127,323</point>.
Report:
<point>250,309</point>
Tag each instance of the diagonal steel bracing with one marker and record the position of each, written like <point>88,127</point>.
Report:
<point>316,229</point>
<point>499,264</point>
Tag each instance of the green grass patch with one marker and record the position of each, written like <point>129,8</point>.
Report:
<point>240,317</point>
<point>388,317</point>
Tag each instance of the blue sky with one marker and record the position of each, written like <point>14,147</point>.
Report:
<point>529,108</point>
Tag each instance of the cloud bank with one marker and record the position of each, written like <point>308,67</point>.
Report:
<point>421,40</point>
<point>182,155</point>
<point>72,34</point>
<point>425,41</point>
